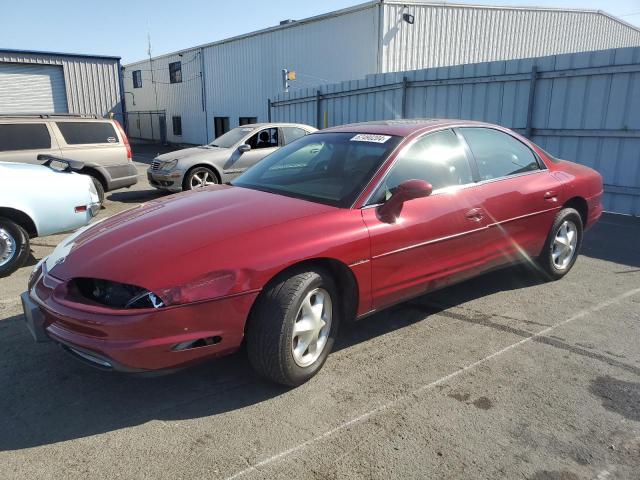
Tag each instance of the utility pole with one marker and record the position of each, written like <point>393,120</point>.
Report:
<point>155,88</point>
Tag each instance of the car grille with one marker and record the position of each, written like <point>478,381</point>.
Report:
<point>155,165</point>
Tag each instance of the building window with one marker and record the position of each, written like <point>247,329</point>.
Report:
<point>175,72</point>
<point>137,79</point>
<point>247,120</point>
<point>221,125</point>
<point>177,126</point>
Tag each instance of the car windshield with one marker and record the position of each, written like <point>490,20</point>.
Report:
<point>329,168</point>
<point>232,137</point>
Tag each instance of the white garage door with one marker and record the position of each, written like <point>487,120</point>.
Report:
<point>29,88</point>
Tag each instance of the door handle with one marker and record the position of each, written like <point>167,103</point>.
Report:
<point>551,195</point>
<point>475,214</point>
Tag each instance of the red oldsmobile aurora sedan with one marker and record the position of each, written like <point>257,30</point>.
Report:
<point>332,227</point>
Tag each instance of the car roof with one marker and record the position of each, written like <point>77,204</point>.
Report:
<point>276,124</point>
<point>401,128</point>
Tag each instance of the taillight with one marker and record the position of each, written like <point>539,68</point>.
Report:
<point>125,140</point>
<point>81,208</point>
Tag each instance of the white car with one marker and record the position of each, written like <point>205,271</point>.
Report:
<point>38,200</point>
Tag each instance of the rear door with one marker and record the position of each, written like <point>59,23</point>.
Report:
<point>518,194</point>
<point>94,142</point>
<point>436,240</point>
<point>23,141</point>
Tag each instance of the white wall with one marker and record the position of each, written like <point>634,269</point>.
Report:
<point>176,99</point>
<point>445,35</point>
<point>240,74</point>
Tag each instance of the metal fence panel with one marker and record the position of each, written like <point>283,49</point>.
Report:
<point>584,107</point>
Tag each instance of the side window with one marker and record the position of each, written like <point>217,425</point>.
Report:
<point>24,136</point>
<point>292,133</point>
<point>177,125</point>
<point>81,133</point>
<point>267,138</point>
<point>498,154</point>
<point>247,120</point>
<point>137,79</point>
<point>175,72</point>
<point>438,158</point>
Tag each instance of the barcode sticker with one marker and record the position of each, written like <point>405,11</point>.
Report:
<point>367,137</point>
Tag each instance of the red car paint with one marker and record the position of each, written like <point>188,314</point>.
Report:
<point>208,253</point>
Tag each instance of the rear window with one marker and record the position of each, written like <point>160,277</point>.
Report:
<point>80,133</point>
<point>24,136</point>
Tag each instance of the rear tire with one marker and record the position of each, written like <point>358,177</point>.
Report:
<point>14,246</point>
<point>293,326</point>
<point>563,243</point>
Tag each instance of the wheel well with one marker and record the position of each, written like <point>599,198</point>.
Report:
<point>92,172</point>
<point>21,219</point>
<point>206,165</point>
<point>579,204</point>
<point>342,275</point>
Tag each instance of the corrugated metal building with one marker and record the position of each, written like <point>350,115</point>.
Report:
<point>46,82</point>
<point>228,82</point>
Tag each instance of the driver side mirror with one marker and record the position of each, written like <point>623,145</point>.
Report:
<point>407,190</point>
<point>244,148</point>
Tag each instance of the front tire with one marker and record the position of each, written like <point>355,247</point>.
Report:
<point>293,326</point>
<point>14,246</point>
<point>199,177</point>
<point>99,189</point>
<point>563,244</point>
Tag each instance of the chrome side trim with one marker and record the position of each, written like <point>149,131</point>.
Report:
<point>359,262</point>
<point>429,242</point>
<point>466,232</point>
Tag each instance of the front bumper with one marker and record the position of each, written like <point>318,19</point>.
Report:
<point>169,181</point>
<point>139,340</point>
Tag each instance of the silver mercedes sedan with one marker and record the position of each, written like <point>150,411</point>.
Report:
<point>223,159</point>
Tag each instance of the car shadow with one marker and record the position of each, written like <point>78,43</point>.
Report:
<point>136,196</point>
<point>614,239</point>
<point>49,397</point>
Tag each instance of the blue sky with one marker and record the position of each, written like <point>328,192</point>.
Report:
<point>120,28</point>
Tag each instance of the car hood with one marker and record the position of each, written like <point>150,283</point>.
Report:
<point>171,241</point>
<point>194,153</point>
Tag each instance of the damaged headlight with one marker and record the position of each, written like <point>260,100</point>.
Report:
<point>116,295</point>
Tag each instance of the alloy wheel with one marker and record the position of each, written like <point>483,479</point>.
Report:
<point>202,178</point>
<point>564,245</point>
<point>7,247</point>
<point>312,326</point>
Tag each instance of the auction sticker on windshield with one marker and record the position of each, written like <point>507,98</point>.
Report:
<point>367,137</point>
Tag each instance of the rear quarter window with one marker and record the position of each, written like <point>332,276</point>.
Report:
<point>82,133</point>
<point>24,136</point>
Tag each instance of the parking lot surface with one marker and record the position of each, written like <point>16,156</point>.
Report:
<point>504,376</point>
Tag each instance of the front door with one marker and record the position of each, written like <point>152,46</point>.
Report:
<point>262,143</point>
<point>436,240</point>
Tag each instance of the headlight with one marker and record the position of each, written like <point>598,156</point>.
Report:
<point>170,165</point>
<point>115,295</point>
